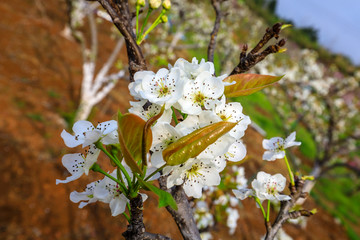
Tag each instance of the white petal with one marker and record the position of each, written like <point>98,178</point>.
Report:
<point>91,137</point>
<point>74,163</point>
<point>193,189</point>
<point>111,138</point>
<point>291,137</point>
<point>77,197</point>
<point>283,197</point>
<point>269,156</point>
<point>91,158</point>
<point>157,159</point>
<point>107,127</point>
<point>82,126</point>
<point>70,140</point>
<point>236,152</point>
<point>69,179</point>
<point>118,205</point>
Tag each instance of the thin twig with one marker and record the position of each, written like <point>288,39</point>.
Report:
<point>249,60</point>
<point>284,213</point>
<point>211,48</point>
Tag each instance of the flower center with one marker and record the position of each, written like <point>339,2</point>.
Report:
<point>199,99</point>
<point>193,172</point>
<point>163,89</point>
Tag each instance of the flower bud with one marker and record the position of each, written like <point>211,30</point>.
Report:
<point>140,3</point>
<point>166,4</point>
<point>164,19</point>
<point>154,4</point>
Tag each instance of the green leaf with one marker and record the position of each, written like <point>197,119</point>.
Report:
<point>130,130</point>
<point>165,198</point>
<point>147,132</point>
<point>193,144</point>
<point>246,84</point>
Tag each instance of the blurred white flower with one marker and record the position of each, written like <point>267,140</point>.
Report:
<point>276,146</point>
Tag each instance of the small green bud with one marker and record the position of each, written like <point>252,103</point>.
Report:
<point>140,3</point>
<point>154,4</point>
<point>166,4</point>
<point>314,211</point>
<point>164,19</point>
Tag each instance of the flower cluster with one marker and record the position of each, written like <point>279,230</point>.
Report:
<point>105,190</point>
<point>190,90</point>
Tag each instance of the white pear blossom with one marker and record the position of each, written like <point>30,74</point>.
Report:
<point>202,93</point>
<point>268,187</point>
<point>150,111</point>
<point>190,71</point>
<point>163,87</point>
<point>276,146</point>
<point>193,174</point>
<point>85,133</point>
<point>232,112</point>
<point>163,135</point>
<point>85,197</point>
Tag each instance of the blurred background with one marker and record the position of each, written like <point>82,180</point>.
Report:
<point>48,46</point>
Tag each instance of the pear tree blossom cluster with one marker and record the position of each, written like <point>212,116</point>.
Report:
<point>189,89</point>
<point>324,101</point>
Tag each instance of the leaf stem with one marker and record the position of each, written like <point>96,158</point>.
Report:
<point>127,217</point>
<point>155,23</point>
<point>137,20</point>
<point>290,172</point>
<point>139,37</point>
<point>116,161</point>
<point>174,116</point>
<point>155,172</point>
<point>97,168</point>
<point>257,200</point>
<point>268,212</point>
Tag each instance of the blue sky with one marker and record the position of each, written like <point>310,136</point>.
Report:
<point>337,22</point>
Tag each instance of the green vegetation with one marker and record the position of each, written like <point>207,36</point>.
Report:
<point>339,198</point>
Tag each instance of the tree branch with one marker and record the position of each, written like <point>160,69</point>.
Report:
<point>184,215</point>
<point>136,228</point>
<point>249,60</point>
<point>211,48</point>
<point>284,213</point>
<point>121,17</point>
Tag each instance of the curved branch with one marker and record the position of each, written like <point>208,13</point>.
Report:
<point>249,60</point>
<point>284,213</point>
<point>211,48</point>
<point>184,215</point>
<point>121,18</point>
